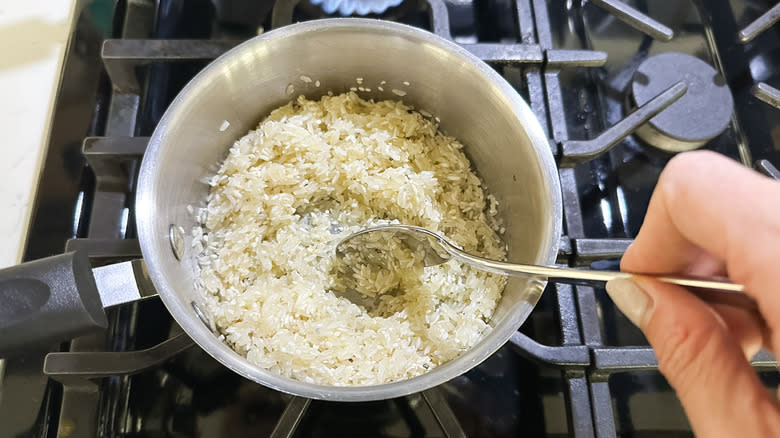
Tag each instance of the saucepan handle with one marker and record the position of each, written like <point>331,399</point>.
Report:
<point>48,300</point>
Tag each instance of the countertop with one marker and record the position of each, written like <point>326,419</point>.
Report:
<point>33,40</point>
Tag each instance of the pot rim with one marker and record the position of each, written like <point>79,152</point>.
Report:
<point>182,312</point>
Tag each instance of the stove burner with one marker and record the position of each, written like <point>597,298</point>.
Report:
<point>361,7</point>
<point>700,115</point>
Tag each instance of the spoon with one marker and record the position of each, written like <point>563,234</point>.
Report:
<point>437,250</point>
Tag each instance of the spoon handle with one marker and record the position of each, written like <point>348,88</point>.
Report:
<point>715,290</point>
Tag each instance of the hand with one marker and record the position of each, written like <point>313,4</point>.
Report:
<point>710,216</point>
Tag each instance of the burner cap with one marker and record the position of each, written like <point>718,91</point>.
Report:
<point>700,115</point>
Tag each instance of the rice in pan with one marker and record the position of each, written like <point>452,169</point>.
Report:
<point>310,174</point>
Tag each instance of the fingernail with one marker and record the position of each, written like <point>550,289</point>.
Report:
<point>634,302</point>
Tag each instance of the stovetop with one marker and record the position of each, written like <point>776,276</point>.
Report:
<point>576,368</point>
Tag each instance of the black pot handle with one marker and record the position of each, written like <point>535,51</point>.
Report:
<point>48,300</point>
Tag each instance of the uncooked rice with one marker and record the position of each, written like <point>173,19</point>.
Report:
<point>310,174</point>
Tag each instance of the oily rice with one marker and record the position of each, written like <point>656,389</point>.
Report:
<point>310,174</point>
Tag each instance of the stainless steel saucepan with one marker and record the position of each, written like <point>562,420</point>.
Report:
<point>58,298</point>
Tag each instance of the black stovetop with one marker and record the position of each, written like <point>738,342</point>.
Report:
<point>576,368</point>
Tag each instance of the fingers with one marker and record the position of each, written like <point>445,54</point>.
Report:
<point>705,209</point>
<point>744,326</point>
<point>709,214</point>
<point>701,358</point>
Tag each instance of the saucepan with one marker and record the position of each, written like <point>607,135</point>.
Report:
<point>62,296</point>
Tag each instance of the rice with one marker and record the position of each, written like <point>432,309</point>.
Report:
<point>312,173</point>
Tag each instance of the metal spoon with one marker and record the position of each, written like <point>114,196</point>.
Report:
<point>438,250</point>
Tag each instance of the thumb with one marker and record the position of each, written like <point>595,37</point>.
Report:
<point>700,358</point>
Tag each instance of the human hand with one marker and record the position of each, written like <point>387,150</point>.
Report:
<point>709,216</point>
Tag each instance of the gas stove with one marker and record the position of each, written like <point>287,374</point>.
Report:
<point>619,87</point>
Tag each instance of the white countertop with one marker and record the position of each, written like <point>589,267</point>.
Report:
<point>33,39</point>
